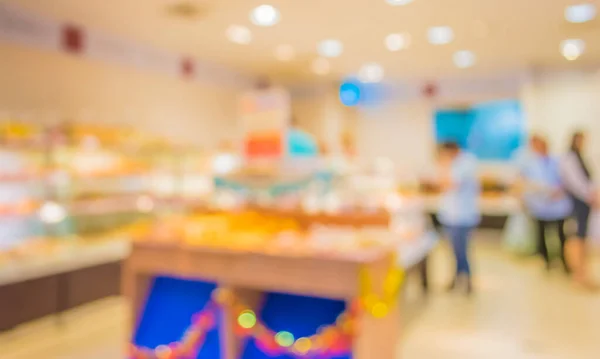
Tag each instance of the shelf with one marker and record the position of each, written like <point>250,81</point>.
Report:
<point>22,177</point>
<point>489,206</point>
<point>71,257</point>
<point>101,206</point>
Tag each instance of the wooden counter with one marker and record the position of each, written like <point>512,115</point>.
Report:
<point>251,274</point>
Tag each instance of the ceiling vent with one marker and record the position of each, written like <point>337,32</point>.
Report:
<point>189,10</point>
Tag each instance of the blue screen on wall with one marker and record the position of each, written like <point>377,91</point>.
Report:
<point>491,131</point>
<point>453,126</point>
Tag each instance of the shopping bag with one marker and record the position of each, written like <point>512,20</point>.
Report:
<point>519,234</point>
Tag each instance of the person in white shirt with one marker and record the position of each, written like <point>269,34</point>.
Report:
<point>544,195</point>
<point>577,178</point>
<point>458,210</point>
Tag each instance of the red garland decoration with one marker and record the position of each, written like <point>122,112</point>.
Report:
<point>330,341</point>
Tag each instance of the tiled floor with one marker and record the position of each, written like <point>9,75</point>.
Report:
<point>519,312</point>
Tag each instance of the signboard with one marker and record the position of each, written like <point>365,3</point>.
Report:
<point>265,118</point>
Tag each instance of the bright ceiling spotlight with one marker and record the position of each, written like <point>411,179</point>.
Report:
<point>264,15</point>
<point>239,34</point>
<point>572,49</point>
<point>580,13</point>
<point>464,59</point>
<point>285,52</point>
<point>320,66</point>
<point>330,48</point>
<point>440,35</point>
<point>397,42</point>
<point>399,2</point>
<point>371,73</point>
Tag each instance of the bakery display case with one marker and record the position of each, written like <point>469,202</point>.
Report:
<point>71,198</point>
<point>23,187</point>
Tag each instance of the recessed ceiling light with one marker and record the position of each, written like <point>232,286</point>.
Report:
<point>399,2</point>
<point>239,34</point>
<point>573,48</point>
<point>464,59</point>
<point>285,52</point>
<point>440,35</point>
<point>397,42</point>
<point>264,15</point>
<point>330,48</point>
<point>320,66</point>
<point>371,73</point>
<point>580,13</point>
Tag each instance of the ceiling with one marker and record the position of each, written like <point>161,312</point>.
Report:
<point>505,35</point>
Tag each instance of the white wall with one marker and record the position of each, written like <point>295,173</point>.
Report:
<point>309,110</point>
<point>558,103</point>
<point>401,131</point>
<point>49,87</point>
<point>319,111</point>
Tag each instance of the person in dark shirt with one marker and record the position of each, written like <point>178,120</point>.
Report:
<point>577,177</point>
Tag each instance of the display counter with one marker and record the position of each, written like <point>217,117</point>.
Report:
<point>255,278</point>
<point>494,209</point>
<point>49,283</point>
<point>273,283</point>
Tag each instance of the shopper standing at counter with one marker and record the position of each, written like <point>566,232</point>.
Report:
<point>580,187</point>
<point>544,195</point>
<point>459,208</point>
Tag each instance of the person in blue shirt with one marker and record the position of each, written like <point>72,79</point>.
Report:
<point>458,209</point>
<point>544,195</point>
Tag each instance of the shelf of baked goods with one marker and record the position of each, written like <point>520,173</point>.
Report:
<point>70,182</point>
<point>403,220</point>
<point>244,231</point>
<point>71,199</point>
<point>317,195</point>
<point>101,176</point>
